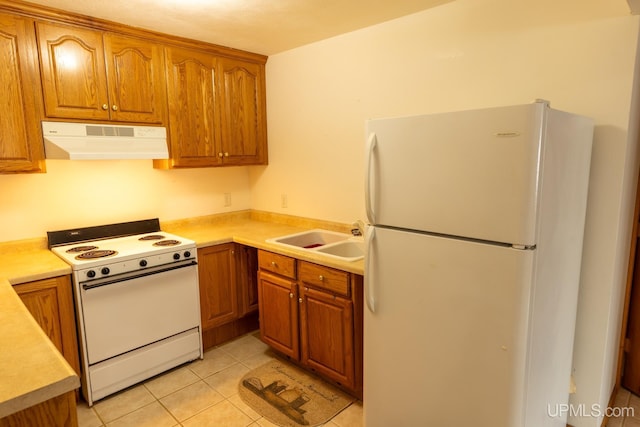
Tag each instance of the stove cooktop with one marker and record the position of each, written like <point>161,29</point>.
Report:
<point>105,251</point>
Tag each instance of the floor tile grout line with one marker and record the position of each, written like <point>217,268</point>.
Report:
<point>236,354</point>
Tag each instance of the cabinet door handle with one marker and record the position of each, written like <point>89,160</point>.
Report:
<point>290,294</point>
<point>226,154</point>
<point>300,300</point>
<point>105,107</point>
<point>219,154</point>
<point>114,107</point>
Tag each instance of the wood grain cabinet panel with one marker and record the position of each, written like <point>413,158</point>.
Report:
<point>193,123</point>
<point>136,81</point>
<point>326,335</point>
<point>50,302</point>
<point>218,293</point>
<point>228,292</point>
<point>21,146</point>
<point>247,275</point>
<point>241,91</point>
<point>89,74</point>
<point>60,411</point>
<point>279,313</point>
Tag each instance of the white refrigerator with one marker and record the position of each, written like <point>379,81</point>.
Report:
<point>473,264</point>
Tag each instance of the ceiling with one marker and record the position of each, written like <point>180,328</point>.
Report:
<point>261,26</point>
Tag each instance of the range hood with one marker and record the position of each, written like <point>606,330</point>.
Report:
<point>81,141</point>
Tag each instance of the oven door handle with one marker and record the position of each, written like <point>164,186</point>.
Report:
<point>134,275</point>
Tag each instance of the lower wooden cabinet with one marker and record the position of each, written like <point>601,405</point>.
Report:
<point>278,298</point>
<point>50,302</point>
<point>313,315</point>
<point>246,269</point>
<point>327,335</point>
<point>58,411</point>
<point>228,292</point>
<point>218,286</point>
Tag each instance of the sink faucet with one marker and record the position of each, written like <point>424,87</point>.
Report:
<point>358,229</point>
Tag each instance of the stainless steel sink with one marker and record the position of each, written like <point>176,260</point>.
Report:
<point>324,242</point>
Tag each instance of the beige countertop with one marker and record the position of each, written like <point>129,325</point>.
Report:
<point>31,368</point>
<point>254,229</point>
<point>29,260</point>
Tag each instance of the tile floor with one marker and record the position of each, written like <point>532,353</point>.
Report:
<point>627,402</point>
<point>201,393</point>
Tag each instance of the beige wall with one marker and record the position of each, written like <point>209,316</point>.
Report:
<point>84,193</point>
<point>468,54</point>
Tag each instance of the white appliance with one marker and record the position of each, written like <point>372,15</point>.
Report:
<point>137,302</point>
<point>472,268</point>
<point>81,141</point>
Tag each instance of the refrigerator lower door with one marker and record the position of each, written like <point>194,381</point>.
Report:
<point>446,344</point>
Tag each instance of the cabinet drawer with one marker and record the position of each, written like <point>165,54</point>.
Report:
<point>330,279</point>
<point>279,264</point>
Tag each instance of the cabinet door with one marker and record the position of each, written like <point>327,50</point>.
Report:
<point>218,290</point>
<point>247,274</point>
<point>242,103</point>
<point>21,147</point>
<point>326,335</point>
<point>279,313</point>
<point>50,302</point>
<point>73,72</point>
<point>135,73</point>
<point>192,111</point>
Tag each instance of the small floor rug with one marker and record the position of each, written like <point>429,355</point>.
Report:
<point>288,396</point>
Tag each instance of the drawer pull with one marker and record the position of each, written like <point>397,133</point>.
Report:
<point>273,264</point>
<point>321,277</point>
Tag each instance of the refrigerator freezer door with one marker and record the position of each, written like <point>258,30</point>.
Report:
<point>469,173</point>
<point>447,341</point>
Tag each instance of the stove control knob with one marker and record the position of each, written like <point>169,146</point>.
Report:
<point>187,254</point>
<point>91,274</point>
<point>143,263</point>
<point>105,271</point>
<point>176,256</point>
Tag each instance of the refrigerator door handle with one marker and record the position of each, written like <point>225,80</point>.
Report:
<point>370,236</point>
<point>368,181</point>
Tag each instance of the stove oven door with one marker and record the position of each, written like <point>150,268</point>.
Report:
<point>124,315</point>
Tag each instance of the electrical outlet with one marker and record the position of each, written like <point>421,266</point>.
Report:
<point>284,202</point>
<point>227,199</point>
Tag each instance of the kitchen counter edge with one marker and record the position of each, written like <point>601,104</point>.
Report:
<point>34,371</point>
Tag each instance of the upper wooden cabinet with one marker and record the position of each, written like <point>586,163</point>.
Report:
<point>216,110</point>
<point>242,97</point>
<point>21,146</point>
<point>93,75</point>
<point>193,129</point>
<point>66,66</point>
